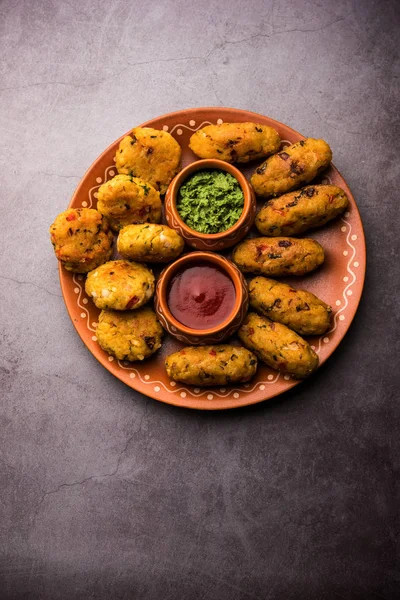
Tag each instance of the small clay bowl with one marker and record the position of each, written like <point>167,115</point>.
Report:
<point>210,241</point>
<point>198,337</point>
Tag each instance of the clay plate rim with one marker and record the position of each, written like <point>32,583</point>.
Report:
<point>193,402</point>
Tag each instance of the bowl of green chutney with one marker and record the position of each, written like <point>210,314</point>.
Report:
<point>210,204</point>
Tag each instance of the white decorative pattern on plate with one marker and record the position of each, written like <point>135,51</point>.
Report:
<point>80,291</point>
<point>190,127</point>
<point>108,174</point>
<point>221,393</point>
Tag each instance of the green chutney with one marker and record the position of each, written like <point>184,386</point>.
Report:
<point>210,201</point>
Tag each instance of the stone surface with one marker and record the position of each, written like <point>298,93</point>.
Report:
<point>106,494</point>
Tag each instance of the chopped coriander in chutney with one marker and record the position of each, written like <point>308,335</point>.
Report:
<point>210,201</point>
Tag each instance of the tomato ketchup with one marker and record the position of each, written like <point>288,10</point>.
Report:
<point>201,296</point>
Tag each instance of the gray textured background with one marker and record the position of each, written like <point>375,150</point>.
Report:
<point>106,494</point>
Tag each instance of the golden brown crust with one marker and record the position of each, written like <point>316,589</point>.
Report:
<point>81,239</point>
<point>297,212</point>
<point>297,309</point>
<point>278,256</point>
<point>235,142</point>
<point>278,346</point>
<point>291,168</point>
<point>125,200</point>
<point>130,335</point>
<point>120,285</point>
<point>149,243</point>
<point>211,365</point>
<point>150,154</point>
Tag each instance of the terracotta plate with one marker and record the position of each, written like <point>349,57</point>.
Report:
<point>339,282</point>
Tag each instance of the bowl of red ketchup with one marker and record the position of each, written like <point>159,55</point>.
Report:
<point>201,298</point>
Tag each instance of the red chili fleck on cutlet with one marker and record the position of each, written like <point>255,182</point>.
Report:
<point>134,300</point>
<point>213,353</point>
<point>71,217</point>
